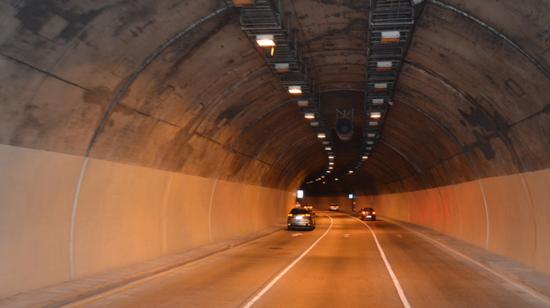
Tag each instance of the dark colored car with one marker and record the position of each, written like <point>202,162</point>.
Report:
<point>367,213</point>
<point>300,218</point>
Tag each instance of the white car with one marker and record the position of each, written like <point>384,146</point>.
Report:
<point>334,207</point>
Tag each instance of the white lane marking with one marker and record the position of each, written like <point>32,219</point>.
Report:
<point>396,283</point>
<point>296,234</point>
<point>526,289</point>
<point>284,271</point>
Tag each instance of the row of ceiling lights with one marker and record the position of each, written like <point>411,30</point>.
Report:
<point>261,20</point>
<point>391,24</point>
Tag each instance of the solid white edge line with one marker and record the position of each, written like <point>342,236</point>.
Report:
<point>396,283</point>
<point>259,295</point>
<point>526,289</point>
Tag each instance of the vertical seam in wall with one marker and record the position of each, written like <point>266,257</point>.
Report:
<point>210,210</point>
<point>162,220</point>
<point>487,220</point>
<point>74,208</point>
<point>532,205</point>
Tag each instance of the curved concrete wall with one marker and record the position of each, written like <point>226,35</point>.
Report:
<point>508,215</point>
<point>53,229</point>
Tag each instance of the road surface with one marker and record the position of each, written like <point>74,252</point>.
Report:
<point>337,265</point>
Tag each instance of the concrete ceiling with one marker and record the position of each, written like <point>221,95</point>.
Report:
<point>176,85</point>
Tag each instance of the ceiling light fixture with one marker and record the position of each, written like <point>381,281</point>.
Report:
<point>265,40</point>
<point>282,67</point>
<point>295,90</point>
<point>375,115</point>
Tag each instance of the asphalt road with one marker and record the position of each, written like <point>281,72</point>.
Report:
<point>339,264</point>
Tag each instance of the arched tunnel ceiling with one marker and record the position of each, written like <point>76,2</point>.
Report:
<point>176,85</point>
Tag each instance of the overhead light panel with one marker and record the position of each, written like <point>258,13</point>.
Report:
<point>243,3</point>
<point>265,40</point>
<point>314,123</point>
<point>328,149</point>
<point>377,101</point>
<point>380,86</point>
<point>373,123</point>
<point>350,172</point>
<point>309,115</point>
<point>321,136</point>
<point>303,103</point>
<point>390,37</point>
<point>383,66</point>
<point>295,90</point>
<point>331,163</point>
<point>331,157</point>
<point>282,67</point>
<point>375,115</point>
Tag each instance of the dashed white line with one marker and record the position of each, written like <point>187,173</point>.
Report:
<point>396,283</point>
<point>259,295</point>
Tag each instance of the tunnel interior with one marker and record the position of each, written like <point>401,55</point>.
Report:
<point>126,124</point>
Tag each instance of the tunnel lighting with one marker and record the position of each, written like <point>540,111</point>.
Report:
<point>380,86</point>
<point>336,179</point>
<point>309,115</point>
<point>314,123</point>
<point>371,135</point>
<point>300,194</point>
<point>303,103</point>
<point>328,149</point>
<point>390,36</point>
<point>331,157</point>
<point>321,136</point>
<point>326,142</point>
<point>282,67</point>
<point>295,90</point>
<point>364,157</point>
<point>370,142</point>
<point>328,171</point>
<point>375,115</point>
<point>383,66</point>
<point>322,176</point>
<point>324,182</point>
<point>331,163</point>
<point>373,123</point>
<point>377,101</point>
<point>272,52</point>
<point>243,3</point>
<point>350,172</point>
<point>350,196</point>
<point>369,148</point>
<point>265,40</point>
<point>330,167</point>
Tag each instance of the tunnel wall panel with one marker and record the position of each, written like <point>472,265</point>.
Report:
<point>125,214</point>
<point>36,191</point>
<point>507,215</point>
